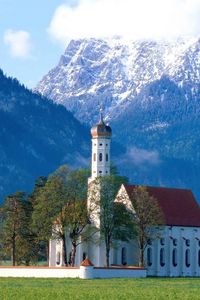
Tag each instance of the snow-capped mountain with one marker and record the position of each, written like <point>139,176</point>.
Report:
<point>113,72</point>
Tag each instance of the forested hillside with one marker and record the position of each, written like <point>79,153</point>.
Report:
<point>36,137</point>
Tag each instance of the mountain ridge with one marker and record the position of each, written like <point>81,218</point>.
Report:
<point>93,72</point>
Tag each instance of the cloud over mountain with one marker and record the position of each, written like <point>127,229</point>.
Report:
<point>128,18</point>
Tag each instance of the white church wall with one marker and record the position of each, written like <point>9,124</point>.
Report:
<point>175,253</point>
<point>39,272</point>
<point>119,273</point>
<point>82,272</point>
<point>125,253</point>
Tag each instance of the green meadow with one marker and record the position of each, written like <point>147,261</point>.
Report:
<point>148,288</point>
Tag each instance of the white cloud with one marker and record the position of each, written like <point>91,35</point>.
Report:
<point>18,42</point>
<point>128,18</point>
<point>140,157</point>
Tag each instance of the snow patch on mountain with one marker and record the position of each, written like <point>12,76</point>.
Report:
<point>112,72</point>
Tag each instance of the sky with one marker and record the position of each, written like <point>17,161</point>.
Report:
<point>35,33</point>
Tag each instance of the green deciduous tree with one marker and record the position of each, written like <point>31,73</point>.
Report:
<point>115,221</point>
<point>148,218</point>
<point>74,216</point>
<point>48,205</point>
<point>60,208</point>
<point>16,235</point>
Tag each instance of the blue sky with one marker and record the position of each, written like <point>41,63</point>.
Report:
<point>32,16</point>
<point>34,33</point>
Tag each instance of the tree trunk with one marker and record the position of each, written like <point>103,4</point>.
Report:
<point>47,252</point>
<point>107,255</point>
<point>64,251</point>
<point>141,261</point>
<point>73,254</point>
<point>13,258</point>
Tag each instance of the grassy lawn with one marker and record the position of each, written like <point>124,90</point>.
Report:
<point>111,289</point>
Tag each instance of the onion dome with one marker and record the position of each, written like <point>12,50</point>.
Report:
<point>101,129</point>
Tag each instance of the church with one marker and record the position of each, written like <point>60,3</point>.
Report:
<point>176,250</point>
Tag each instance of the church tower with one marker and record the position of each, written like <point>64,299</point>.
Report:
<point>101,135</point>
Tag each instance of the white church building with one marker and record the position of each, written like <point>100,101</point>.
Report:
<point>175,251</point>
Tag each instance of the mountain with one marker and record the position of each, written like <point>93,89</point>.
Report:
<point>36,137</point>
<point>150,92</point>
<point>114,72</point>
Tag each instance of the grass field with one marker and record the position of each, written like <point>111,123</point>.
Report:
<point>111,289</point>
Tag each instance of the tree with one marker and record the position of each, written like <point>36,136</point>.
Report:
<point>147,218</point>
<point>16,237</point>
<point>115,222</point>
<point>60,209</point>
<point>76,213</point>
<point>77,218</point>
<point>40,247</point>
<point>48,205</point>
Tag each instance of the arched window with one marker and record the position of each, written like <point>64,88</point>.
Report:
<point>58,258</point>
<point>162,257</point>
<point>149,256</point>
<point>94,157</point>
<point>124,256</point>
<point>175,242</point>
<point>187,242</point>
<point>174,257</point>
<point>187,258</point>
<point>84,255</point>
<point>162,241</point>
<point>106,156</point>
<point>100,156</point>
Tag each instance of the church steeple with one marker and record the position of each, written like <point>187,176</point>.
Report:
<point>101,136</point>
<point>101,116</point>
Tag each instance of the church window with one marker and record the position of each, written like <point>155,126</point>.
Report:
<point>106,156</point>
<point>94,157</point>
<point>175,242</point>
<point>187,258</point>
<point>100,172</point>
<point>100,144</point>
<point>100,156</point>
<point>162,257</point>
<point>162,241</point>
<point>149,256</point>
<point>187,242</point>
<point>199,243</point>
<point>124,256</point>
<point>174,257</point>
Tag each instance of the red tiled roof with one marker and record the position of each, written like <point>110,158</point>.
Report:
<point>178,205</point>
<point>86,263</point>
